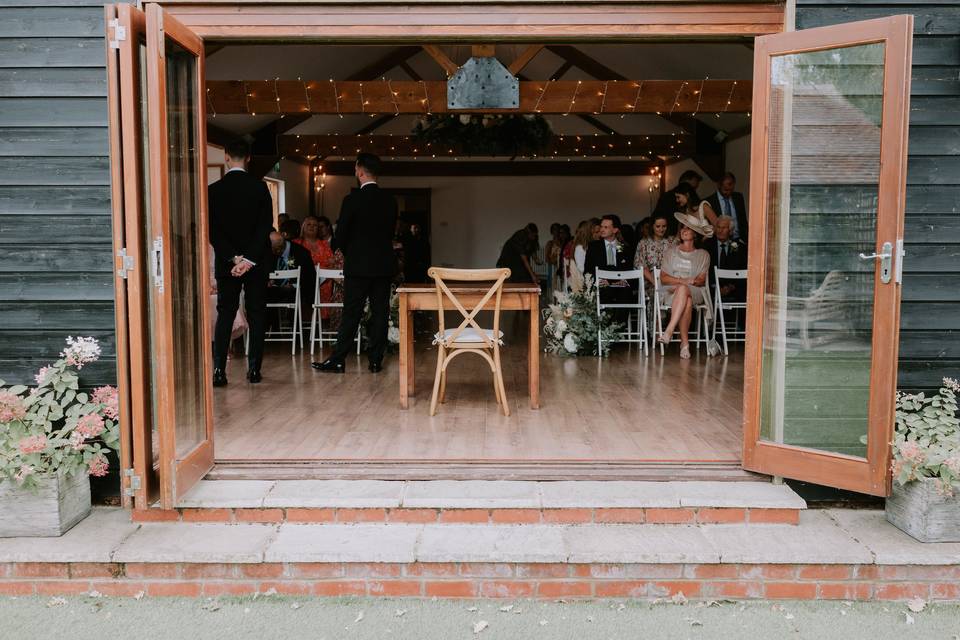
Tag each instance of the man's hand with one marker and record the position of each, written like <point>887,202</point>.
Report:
<point>240,269</point>
<point>237,260</point>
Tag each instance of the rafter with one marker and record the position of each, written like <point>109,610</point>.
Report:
<point>524,58</point>
<point>449,66</point>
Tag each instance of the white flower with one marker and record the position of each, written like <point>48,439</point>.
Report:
<point>80,351</point>
<point>465,118</point>
<point>734,245</point>
<point>393,335</point>
<point>570,343</point>
<point>562,325</point>
<point>950,383</point>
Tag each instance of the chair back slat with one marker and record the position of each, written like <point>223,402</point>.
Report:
<point>633,274</point>
<point>499,276</point>
<point>730,274</point>
<point>285,274</point>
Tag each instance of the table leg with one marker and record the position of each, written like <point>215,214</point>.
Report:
<point>411,359</point>
<point>533,364</point>
<point>404,363</point>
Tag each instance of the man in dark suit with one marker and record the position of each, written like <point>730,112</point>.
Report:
<point>727,253</point>
<point>364,234</point>
<point>727,201</point>
<point>241,217</point>
<point>667,204</point>
<point>609,252</point>
<point>290,255</point>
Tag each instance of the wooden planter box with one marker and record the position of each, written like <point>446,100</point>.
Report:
<point>921,511</point>
<point>58,503</point>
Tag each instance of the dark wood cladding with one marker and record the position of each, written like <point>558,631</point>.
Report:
<point>930,312</point>
<point>55,246</point>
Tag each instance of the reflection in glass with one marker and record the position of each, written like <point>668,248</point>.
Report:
<point>823,172</point>
<point>184,246</point>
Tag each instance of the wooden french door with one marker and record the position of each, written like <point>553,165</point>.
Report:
<point>828,181</point>
<point>158,115</point>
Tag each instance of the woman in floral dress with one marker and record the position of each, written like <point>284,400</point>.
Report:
<point>315,236</point>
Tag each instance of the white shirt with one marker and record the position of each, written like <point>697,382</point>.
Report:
<point>727,208</point>
<point>580,257</point>
<point>363,184</point>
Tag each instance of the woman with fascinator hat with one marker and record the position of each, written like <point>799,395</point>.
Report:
<point>685,267</point>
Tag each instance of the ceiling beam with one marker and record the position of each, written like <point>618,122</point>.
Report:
<point>541,96</point>
<point>449,66</point>
<point>584,62</point>
<point>385,63</point>
<point>524,58</point>
<point>559,167</point>
<point>565,146</point>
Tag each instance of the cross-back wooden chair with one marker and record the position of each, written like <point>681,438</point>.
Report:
<point>469,337</point>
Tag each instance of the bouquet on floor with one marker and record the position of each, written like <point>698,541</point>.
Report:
<point>571,326</point>
<point>55,427</point>
<point>393,323</point>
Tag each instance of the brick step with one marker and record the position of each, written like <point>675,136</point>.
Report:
<point>483,502</point>
<point>859,582</point>
<point>424,515</point>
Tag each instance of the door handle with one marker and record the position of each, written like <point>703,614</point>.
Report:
<point>886,261</point>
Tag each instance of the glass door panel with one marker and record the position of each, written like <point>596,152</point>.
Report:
<point>824,309</point>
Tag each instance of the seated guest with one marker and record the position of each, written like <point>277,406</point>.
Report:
<point>650,250</point>
<point>290,230</point>
<point>609,252</point>
<point>727,253</point>
<point>667,203</point>
<point>315,236</point>
<point>727,201</point>
<point>518,253</point>
<point>684,275</point>
<point>289,255</point>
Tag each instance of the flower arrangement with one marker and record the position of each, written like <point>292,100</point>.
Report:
<point>926,441</point>
<point>393,323</point>
<point>54,427</point>
<point>571,325</point>
<point>485,135</point>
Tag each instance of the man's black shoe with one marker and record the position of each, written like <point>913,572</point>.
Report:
<point>329,366</point>
<point>375,367</point>
<point>254,376</point>
<point>219,378</point>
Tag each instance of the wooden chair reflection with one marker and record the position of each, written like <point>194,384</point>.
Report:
<point>469,337</point>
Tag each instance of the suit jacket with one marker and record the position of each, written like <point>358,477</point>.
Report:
<point>735,258</point>
<point>597,258</point>
<point>241,218</point>
<point>301,258</point>
<point>364,233</point>
<point>741,214</point>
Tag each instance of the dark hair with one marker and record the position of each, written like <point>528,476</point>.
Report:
<point>689,175</point>
<point>693,200</point>
<point>532,228</point>
<point>238,149</point>
<point>613,218</point>
<point>728,174</point>
<point>291,228</point>
<point>369,163</point>
<point>325,220</point>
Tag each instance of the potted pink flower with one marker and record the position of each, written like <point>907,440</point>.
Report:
<point>925,502</point>
<point>52,437</point>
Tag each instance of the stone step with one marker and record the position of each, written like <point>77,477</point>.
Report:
<point>835,554</point>
<point>483,502</point>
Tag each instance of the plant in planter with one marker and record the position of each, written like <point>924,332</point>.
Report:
<point>52,436</point>
<point>926,466</point>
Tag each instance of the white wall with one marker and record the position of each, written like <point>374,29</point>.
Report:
<point>296,178</point>
<point>473,216</point>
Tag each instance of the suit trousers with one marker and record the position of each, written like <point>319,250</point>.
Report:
<point>356,291</point>
<point>254,286</point>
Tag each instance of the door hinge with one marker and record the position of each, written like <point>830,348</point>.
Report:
<point>119,34</point>
<point>126,263</point>
<point>133,485</point>
<point>156,263</point>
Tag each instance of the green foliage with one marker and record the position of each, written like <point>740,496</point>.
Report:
<point>926,442</point>
<point>54,427</point>
<point>484,135</point>
<point>571,325</point>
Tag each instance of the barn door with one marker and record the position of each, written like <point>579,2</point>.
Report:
<point>159,187</point>
<point>828,173</point>
<point>179,253</point>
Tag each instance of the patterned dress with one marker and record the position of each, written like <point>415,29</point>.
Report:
<point>330,291</point>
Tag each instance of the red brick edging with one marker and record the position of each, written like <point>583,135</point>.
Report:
<point>488,580</point>
<point>679,515</point>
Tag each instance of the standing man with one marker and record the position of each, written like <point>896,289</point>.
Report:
<point>364,234</point>
<point>241,218</point>
<point>727,201</point>
<point>518,252</point>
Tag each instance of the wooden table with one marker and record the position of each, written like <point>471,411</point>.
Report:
<point>423,297</point>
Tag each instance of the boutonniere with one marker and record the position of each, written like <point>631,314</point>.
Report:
<point>734,245</point>
<point>619,247</point>
<point>291,263</point>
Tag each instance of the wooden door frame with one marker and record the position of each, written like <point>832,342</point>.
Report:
<point>175,472</point>
<point>822,467</point>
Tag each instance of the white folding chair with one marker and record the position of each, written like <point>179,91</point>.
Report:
<point>735,334</point>
<point>634,333</point>
<point>317,334</point>
<point>702,333</point>
<point>296,329</point>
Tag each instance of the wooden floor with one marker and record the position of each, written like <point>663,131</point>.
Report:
<point>624,408</point>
